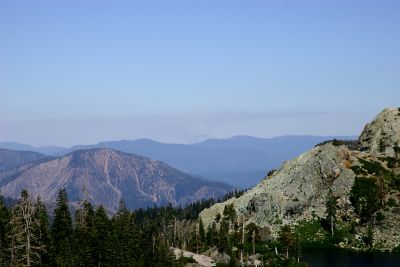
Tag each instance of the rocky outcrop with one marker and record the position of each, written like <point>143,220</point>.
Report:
<point>382,134</point>
<point>387,232</point>
<point>104,177</point>
<point>217,256</point>
<point>200,259</point>
<point>297,192</point>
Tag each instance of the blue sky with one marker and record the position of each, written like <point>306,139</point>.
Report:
<point>181,71</point>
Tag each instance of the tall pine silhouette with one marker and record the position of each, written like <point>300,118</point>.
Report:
<point>62,232</point>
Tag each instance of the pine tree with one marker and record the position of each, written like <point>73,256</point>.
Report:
<point>298,247</point>
<point>223,235</point>
<point>232,260</point>
<point>147,245</point>
<point>85,235</point>
<point>286,238</point>
<point>369,238</point>
<point>43,231</point>
<point>125,238</point>
<point>4,230</point>
<point>253,235</point>
<point>210,235</point>
<point>331,211</point>
<point>202,232</point>
<point>62,232</point>
<point>163,257</point>
<point>103,233</point>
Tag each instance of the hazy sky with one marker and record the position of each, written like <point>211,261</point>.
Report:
<point>180,71</point>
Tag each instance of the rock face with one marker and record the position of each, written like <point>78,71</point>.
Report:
<point>297,192</point>
<point>201,260</point>
<point>382,134</point>
<point>104,176</point>
<point>10,159</point>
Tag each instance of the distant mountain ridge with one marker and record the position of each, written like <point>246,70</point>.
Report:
<point>10,159</point>
<point>47,150</point>
<point>104,177</point>
<point>241,160</point>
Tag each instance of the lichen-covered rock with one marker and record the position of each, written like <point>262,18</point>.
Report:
<point>201,260</point>
<point>219,257</point>
<point>387,232</point>
<point>296,192</point>
<point>382,134</point>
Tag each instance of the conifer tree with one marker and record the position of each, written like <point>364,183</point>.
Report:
<point>147,245</point>
<point>298,247</point>
<point>331,211</point>
<point>62,232</point>
<point>42,231</point>
<point>103,233</point>
<point>211,235</point>
<point>286,238</point>
<point>253,235</point>
<point>4,228</point>
<point>125,238</point>
<point>163,257</point>
<point>84,233</point>
<point>202,232</point>
<point>224,236</point>
<point>232,260</point>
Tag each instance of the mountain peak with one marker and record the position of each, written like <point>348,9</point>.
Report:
<point>383,133</point>
<point>104,176</point>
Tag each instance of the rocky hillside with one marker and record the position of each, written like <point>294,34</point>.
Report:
<point>239,160</point>
<point>104,177</point>
<point>382,134</point>
<point>364,181</point>
<point>10,159</point>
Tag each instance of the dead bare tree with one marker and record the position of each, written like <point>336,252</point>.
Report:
<point>26,249</point>
<point>242,243</point>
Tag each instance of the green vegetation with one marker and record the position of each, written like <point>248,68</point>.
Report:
<point>185,260</point>
<point>390,162</point>
<point>139,238</point>
<point>364,197</point>
<point>331,203</point>
<point>286,238</point>
<point>391,203</point>
<point>373,183</point>
<point>313,235</point>
<point>379,217</point>
<point>372,167</point>
<point>375,190</point>
<point>351,144</point>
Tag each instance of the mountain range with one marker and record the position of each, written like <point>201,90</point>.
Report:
<point>10,158</point>
<point>102,177</point>
<point>241,160</point>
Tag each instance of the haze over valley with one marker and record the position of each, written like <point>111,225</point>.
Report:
<point>188,133</point>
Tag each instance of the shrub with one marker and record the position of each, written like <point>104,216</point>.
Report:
<point>379,217</point>
<point>391,202</point>
<point>372,167</point>
<point>364,197</point>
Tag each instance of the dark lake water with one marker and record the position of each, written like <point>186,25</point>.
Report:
<point>343,258</point>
